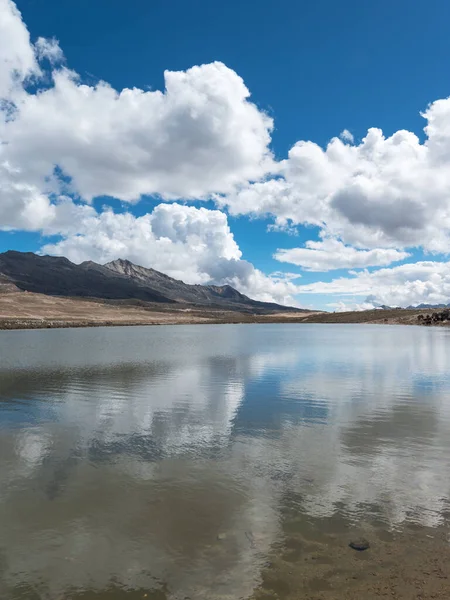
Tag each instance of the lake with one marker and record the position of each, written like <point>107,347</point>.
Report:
<point>224,461</point>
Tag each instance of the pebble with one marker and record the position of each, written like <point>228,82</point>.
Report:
<point>359,544</point>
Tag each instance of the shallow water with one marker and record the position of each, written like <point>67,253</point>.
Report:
<point>213,461</point>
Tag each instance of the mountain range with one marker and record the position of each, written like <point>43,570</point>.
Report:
<point>430,306</point>
<point>414,307</point>
<point>117,280</point>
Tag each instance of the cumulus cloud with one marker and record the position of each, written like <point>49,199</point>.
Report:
<point>351,306</point>
<point>384,192</point>
<point>17,59</point>
<point>347,136</point>
<point>403,285</point>
<point>176,239</point>
<point>188,243</point>
<point>329,254</point>
<point>198,137</point>
<point>49,49</point>
<point>22,204</point>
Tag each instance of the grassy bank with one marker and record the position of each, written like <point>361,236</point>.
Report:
<point>24,310</point>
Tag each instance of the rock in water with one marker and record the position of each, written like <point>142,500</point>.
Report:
<point>359,544</point>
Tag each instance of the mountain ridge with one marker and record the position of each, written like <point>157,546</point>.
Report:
<point>429,306</point>
<point>119,280</point>
<point>176,289</point>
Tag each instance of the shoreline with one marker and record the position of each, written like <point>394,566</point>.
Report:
<point>31,324</point>
<point>17,324</point>
<point>28,310</point>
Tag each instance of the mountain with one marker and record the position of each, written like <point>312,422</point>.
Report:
<point>57,276</point>
<point>179,291</point>
<point>117,280</point>
<point>431,306</point>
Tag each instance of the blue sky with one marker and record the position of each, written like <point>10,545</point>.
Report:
<point>315,69</point>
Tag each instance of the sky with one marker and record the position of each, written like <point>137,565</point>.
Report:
<point>299,151</point>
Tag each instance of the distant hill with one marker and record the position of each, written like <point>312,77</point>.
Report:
<point>119,280</point>
<point>414,307</point>
<point>431,306</point>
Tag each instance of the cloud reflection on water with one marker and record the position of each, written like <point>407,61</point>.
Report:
<point>132,469</point>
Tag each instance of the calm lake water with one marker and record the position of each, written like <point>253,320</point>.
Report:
<point>219,461</point>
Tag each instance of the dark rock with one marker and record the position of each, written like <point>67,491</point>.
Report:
<point>359,544</point>
<point>436,317</point>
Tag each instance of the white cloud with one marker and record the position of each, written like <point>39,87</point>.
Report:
<point>22,205</point>
<point>49,49</point>
<point>409,284</point>
<point>199,137</point>
<point>175,239</point>
<point>347,136</point>
<point>188,243</point>
<point>17,59</point>
<point>383,192</point>
<point>329,254</point>
<point>350,306</point>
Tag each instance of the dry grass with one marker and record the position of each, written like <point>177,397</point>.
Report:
<point>20,310</point>
<point>394,316</point>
